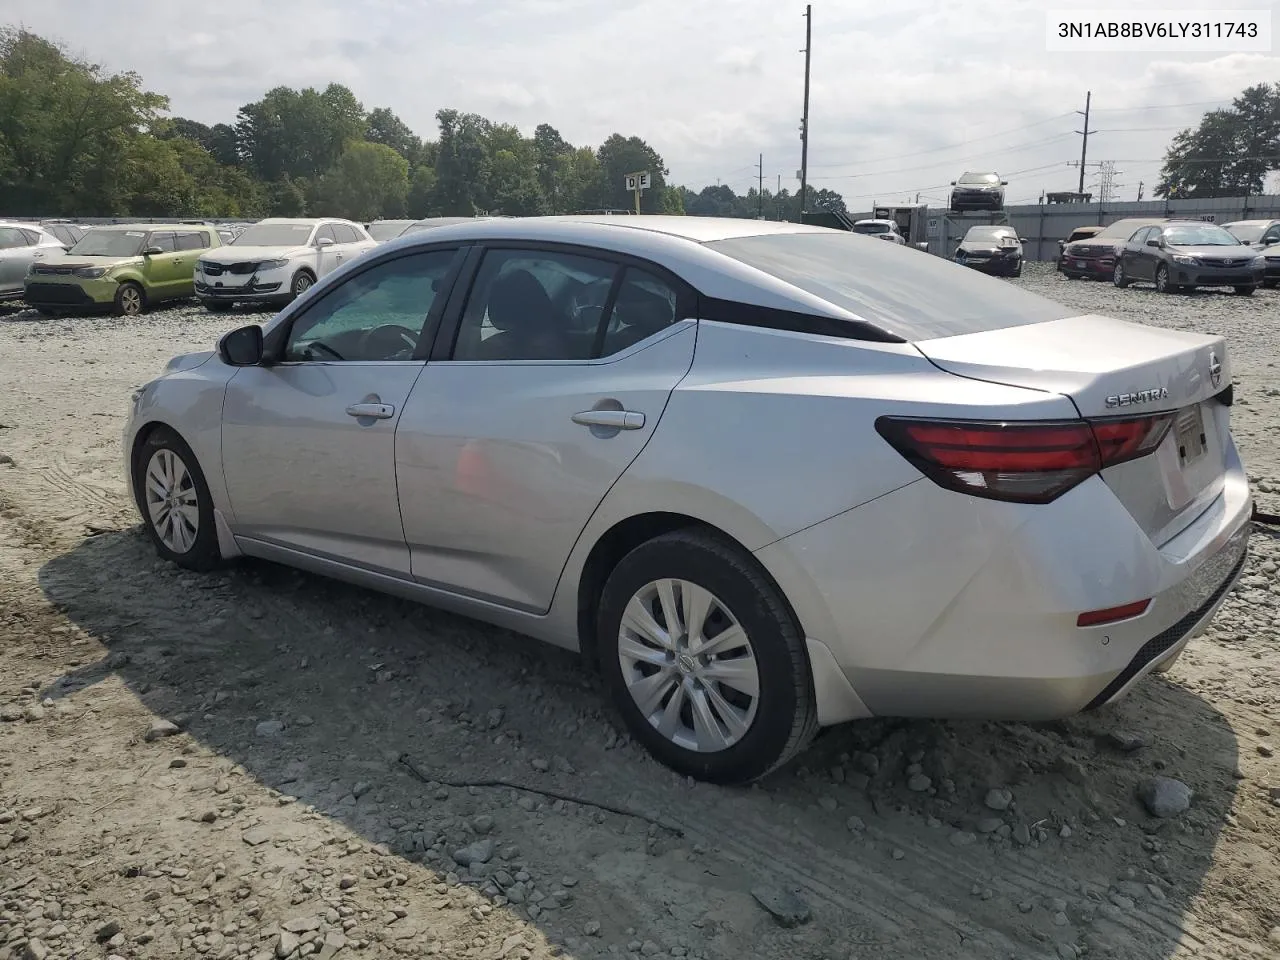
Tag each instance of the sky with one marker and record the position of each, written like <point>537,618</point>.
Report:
<point>905,96</point>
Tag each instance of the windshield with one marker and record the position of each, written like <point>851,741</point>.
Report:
<point>870,228</point>
<point>1246,232</point>
<point>987,178</point>
<point>1199,236</point>
<point>110,243</point>
<point>1123,229</point>
<point>988,233</point>
<point>274,235</point>
<point>387,230</point>
<point>915,297</point>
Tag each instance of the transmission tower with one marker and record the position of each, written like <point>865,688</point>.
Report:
<point>1107,181</point>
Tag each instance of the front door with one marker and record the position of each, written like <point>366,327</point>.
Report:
<point>309,442</point>
<point>329,256</point>
<point>508,445</point>
<point>163,270</point>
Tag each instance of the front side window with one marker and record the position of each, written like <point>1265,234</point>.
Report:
<point>165,241</point>
<point>914,297</point>
<point>378,314</point>
<point>345,233</point>
<point>528,305</point>
<point>1271,236</point>
<point>326,233</point>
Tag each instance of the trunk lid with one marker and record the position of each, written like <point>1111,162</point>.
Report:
<point>1113,368</point>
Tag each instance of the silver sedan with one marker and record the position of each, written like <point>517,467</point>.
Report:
<point>764,476</point>
<point>22,244</point>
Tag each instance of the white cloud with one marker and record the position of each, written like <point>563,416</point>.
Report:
<point>905,95</point>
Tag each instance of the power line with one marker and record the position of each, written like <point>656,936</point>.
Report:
<point>1161,106</point>
<point>933,166</point>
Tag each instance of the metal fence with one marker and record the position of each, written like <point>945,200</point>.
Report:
<point>1043,225</point>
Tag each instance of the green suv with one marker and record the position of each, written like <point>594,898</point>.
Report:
<point>125,269</point>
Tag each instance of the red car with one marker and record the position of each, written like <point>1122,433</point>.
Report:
<point>1095,257</point>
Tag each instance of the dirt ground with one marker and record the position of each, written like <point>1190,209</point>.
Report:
<point>212,765</point>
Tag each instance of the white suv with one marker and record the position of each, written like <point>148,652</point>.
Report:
<point>881,229</point>
<point>276,259</point>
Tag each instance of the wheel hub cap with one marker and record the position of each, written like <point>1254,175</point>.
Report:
<point>689,666</point>
<point>173,506</point>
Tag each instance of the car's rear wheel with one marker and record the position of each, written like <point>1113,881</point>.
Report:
<point>704,659</point>
<point>1118,276</point>
<point>130,300</point>
<point>174,500</point>
<point>1246,290</point>
<point>216,306</point>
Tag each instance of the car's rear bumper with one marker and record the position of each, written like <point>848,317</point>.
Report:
<point>936,604</point>
<point>1100,268</point>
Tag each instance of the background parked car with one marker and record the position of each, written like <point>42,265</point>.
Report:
<point>1183,255</point>
<point>125,268</point>
<point>67,232</point>
<point>978,191</point>
<point>994,250</point>
<point>1259,234</point>
<point>1095,257</point>
<point>880,229</point>
<point>277,259</point>
<point>22,244</point>
<point>1271,270</point>
<point>1079,233</point>
<point>384,230</point>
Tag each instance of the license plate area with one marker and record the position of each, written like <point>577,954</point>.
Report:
<point>1080,264</point>
<point>1188,433</point>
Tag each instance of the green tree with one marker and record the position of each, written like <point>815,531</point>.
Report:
<point>298,133</point>
<point>1231,151</point>
<point>462,167</point>
<point>620,156</point>
<point>66,125</point>
<point>370,180</point>
<point>422,192</point>
<point>384,127</point>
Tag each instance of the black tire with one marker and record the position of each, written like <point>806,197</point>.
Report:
<point>301,283</point>
<point>785,718</point>
<point>203,553</point>
<point>1162,280</point>
<point>1246,290</point>
<point>46,312</point>
<point>217,306</point>
<point>1118,276</point>
<point>1017,270</point>
<point>130,301</point>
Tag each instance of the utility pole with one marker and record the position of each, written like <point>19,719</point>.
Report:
<point>777,197</point>
<point>1084,144</point>
<point>1140,189</point>
<point>760,189</point>
<point>804,121</point>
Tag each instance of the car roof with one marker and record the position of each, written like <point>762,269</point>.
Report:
<point>1241,223</point>
<point>117,227</point>
<point>304,221</point>
<point>591,229</point>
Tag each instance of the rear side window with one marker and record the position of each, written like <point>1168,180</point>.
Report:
<point>11,237</point>
<point>907,292</point>
<point>192,241</point>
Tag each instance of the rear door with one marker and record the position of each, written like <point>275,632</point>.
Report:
<point>190,244</point>
<point>163,271</point>
<point>563,364</point>
<point>1138,263</point>
<point>1115,369</point>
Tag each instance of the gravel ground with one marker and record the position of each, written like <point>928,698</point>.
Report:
<point>210,765</point>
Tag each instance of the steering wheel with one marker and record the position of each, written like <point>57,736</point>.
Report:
<point>396,338</point>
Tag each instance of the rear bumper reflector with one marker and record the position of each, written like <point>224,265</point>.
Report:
<point>1094,618</point>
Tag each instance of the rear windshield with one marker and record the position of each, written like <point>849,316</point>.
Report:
<point>906,291</point>
<point>1246,232</point>
<point>386,231</point>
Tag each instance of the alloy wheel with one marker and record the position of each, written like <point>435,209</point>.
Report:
<point>130,301</point>
<point>172,502</point>
<point>688,665</point>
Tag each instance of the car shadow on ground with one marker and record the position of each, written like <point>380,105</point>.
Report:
<point>888,830</point>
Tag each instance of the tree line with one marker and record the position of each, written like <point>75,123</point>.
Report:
<point>77,140</point>
<point>1230,152</point>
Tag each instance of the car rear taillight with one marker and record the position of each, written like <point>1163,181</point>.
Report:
<point>1021,462</point>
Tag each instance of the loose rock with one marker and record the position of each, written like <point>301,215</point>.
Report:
<point>161,728</point>
<point>269,728</point>
<point>999,798</point>
<point>1164,797</point>
<point>785,907</point>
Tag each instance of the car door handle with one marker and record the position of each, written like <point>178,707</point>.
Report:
<point>378,411</point>
<point>616,419</point>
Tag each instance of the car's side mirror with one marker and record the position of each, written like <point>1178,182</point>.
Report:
<point>152,251</point>
<point>1153,243</point>
<point>324,242</point>
<point>1004,183</point>
<point>953,183</point>
<point>242,347</point>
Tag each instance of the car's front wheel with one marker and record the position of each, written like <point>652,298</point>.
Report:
<point>174,501</point>
<point>1118,276</point>
<point>302,282</point>
<point>1246,290</point>
<point>216,306</point>
<point>130,300</point>
<point>704,658</point>
<point>1162,280</point>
